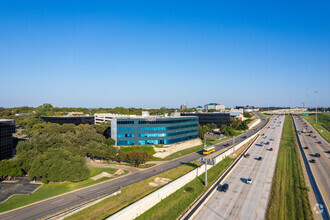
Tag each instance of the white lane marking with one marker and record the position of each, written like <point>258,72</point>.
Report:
<point>94,189</point>
<point>56,201</point>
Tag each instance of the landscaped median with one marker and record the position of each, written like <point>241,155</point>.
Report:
<point>54,189</point>
<point>289,198</point>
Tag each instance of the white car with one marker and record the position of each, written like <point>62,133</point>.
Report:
<point>249,181</point>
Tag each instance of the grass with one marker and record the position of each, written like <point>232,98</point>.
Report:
<point>264,115</point>
<point>148,149</point>
<point>289,198</point>
<point>97,170</point>
<point>53,189</point>
<point>129,195</point>
<point>322,119</point>
<point>175,205</point>
<point>209,141</point>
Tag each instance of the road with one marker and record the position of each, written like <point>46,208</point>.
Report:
<point>321,168</point>
<point>53,205</point>
<point>242,200</point>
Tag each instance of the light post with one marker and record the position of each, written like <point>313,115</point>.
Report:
<point>315,107</point>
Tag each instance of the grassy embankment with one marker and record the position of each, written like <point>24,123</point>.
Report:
<point>209,141</point>
<point>53,189</point>
<point>322,119</point>
<point>175,205</point>
<point>129,195</point>
<point>289,198</point>
<point>264,115</point>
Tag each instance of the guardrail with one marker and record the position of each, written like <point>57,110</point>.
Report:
<point>318,194</point>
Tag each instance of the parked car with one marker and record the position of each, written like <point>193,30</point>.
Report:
<point>227,145</point>
<point>305,148</point>
<point>319,142</point>
<point>271,149</point>
<point>317,155</point>
<point>315,136</point>
<point>247,155</point>
<point>312,161</point>
<point>259,158</point>
<point>249,181</point>
<point>224,187</point>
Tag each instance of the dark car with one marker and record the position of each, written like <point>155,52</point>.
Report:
<point>317,155</point>
<point>319,142</point>
<point>271,149</point>
<point>227,145</point>
<point>244,136</point>
<point>224,187</point>
<point>247,155</point>
<point>328,152</point>
<point>306,148</point>
<point>259,158</point>
<point>312,161</point>
<point>315,136</point>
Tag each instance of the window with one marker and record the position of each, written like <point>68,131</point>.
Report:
<point>125,142</point>
<point>125,135</point>
<point>125,129</point>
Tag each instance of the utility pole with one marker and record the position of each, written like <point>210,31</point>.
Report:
<point>315,107</point>
<point>205,173</point>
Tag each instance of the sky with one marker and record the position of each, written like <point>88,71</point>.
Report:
<point>151,54</point>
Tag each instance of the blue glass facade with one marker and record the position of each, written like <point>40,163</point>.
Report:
<point>140,131</point>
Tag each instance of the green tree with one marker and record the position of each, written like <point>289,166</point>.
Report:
<point>138,158</point>
<point>247,115</point>
<point>45,109</point>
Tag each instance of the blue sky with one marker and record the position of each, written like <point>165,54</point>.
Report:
<point>164,53</point>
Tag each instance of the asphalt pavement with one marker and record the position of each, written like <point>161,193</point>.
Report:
<point>321,168</point>
<point>62,202</point>
<point>243,200</point>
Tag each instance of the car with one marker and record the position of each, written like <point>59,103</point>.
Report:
<point>317,155</point>
<point>271,149</point>
<point>267,143</point>
<point>224,187</point>
<point>305,148</point>
<point>314,136</point>
<point>249,181</point>
<point>312,161</point>
<point>328,152</point>
<point>247,155</point>
<point>227,145</point>
<point>309,135</point>
<point>319,142</point>
<point>259,158</point>
<point>244,136</point>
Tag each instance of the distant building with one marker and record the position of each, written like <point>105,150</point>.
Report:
<point>106,117</point>
<point>214,106</point>
<point>22,114</point>
<point>247,108</point>
<point>75,113</point>
<point>237,115</point>
<point>7,128</point>
<point>153,130</point>
<point>183,106</point>
<point>217,118</point>
<point>199,108</point>
<point>77,120</point>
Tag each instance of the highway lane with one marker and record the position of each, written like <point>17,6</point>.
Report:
<point>242,200</point>
<point>321,167</point>
<point>63,202</point>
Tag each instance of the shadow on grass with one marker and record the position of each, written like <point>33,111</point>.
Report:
<point>190,164</point>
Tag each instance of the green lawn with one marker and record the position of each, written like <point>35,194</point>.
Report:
<point>322,119</point>
<point>289,198</point>
<point>53,189</point>
<point>148,149</point>
<point>175,205</point>
<point>129,195</point>
<point>209,141</point>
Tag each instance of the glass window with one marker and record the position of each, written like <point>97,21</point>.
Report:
<point>125,129</point>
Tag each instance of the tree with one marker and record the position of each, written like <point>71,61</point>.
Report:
<point>247,115</point>
<point>45,109</point>
<point>138,158</point>
<point>110,142</point>
<point>110,153</point>
<point>243,126</point>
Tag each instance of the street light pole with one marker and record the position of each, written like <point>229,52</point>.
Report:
<point>315,107</point>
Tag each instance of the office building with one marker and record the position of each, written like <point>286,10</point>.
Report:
<point>77,120</point>
<point>217,118</point>
<point>214,106</point>
<point>153,130</point>
<point>183,106</point>
<point>247,108</point>
<point>7,128</point>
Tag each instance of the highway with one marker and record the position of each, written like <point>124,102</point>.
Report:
<point>321,168</point>
<point>54,205</point>
<point>243,200</point>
